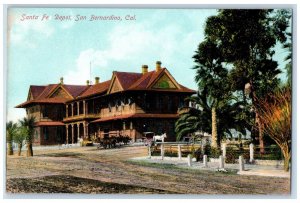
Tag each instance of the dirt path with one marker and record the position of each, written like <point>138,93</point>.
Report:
<point>88,170</point>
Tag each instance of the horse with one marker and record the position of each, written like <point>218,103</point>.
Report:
<point>159,137</point>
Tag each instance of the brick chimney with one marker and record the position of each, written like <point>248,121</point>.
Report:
<point>158,65</point>
<point>62,80</point>
<point>97,79</point>
<point>87,82</point>
<point>144,69</point>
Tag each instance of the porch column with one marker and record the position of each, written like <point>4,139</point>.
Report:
<point>87,129</point>
<point>67,110</point>
<point>78,130</point>
<point>84,112</point>
<point>87,108</point>
<point>72,133</point>
<point>78,112</point>
<point>84,130</point>
<point>72,105</point>
<point>67,134</point>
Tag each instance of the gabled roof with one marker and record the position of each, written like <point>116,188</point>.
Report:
<point>125,81</point>
<point>36,90</point>
<point>96,89</point>
<point>42,95</point>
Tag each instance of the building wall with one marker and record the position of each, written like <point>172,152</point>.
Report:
<point>52,135</point>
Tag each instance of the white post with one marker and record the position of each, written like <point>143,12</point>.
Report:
<point>221,162</point>
<point>162,151</point>
<point>189,160</point>
<point>224,149</point>
<point>241,163</point>
<point>179,152</point>
<point>205,160</point>
<point>149,151</point>
<point>251,147</point>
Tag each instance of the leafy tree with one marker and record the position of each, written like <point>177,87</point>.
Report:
<point>275,113</point>
<point>20,136</point>
<point>246,39</point>
<point>11,130</point>
<point>28,122</point>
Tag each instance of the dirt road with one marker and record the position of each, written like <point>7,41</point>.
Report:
<point>88,170</point>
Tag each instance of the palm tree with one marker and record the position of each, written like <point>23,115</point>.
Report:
<point>194,119</point>
<point>28,122</point>
<point>19,137</point>
<point>212,78</point>
<point>11,130</point>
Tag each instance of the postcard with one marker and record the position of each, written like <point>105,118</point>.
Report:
<point>148,101</point>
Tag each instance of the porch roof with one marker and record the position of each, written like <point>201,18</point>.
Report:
<point>136,115</point>
<point>49,123</point>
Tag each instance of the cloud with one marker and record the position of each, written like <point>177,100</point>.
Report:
<point>131,44</point>
<point>28,31</point>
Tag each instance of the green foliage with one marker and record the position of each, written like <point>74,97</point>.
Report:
<point>20,136</point>
<point>212,152</point>
<point>11,130</point>
<point>197,153</point>
<point>29,124</point>
<point>194,119</point>
<point>230,156</point>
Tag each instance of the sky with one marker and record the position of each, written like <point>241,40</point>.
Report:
<point>45,44</point>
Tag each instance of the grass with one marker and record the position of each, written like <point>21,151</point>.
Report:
<point>178,168</point>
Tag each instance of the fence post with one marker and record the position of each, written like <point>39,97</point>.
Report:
<point>221,162</point>
<point>189,160</point>
<point>149,151</point>
<point>251,147</point>
<point>162,151</point>
<point>205,160</point>
<point>179,152</point>
<point>224,149</point>
<point>241,163</point>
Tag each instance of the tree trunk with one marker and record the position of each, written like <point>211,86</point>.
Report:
<point>29,149</point>
<point>287,156</point>
<point>260,135</point>
<point>10,150</point>
<point>214,133</point>
<point>19,149</point>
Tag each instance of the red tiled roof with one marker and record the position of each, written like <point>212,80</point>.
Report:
<point>54,100</point>
<point>138,115</point>
<point>43,97</point>
<point>47,90</point>
<point>127,79</point>
<point>49,123</point>
<point>96,89</point>
<point>36,90</point>
<point>76,90</point>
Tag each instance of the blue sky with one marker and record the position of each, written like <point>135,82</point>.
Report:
<point>40,52</point>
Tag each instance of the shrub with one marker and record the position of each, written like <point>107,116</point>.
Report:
<point>215,152</point>
<point>230,156</point>
<point>197,154</point>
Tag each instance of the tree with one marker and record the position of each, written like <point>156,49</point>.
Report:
<point>20,136</point>
<point>28,122</point>
<point>275,114</point>
<point>246,39</point>
<point>211,78</point>
<point>194,119</point>
<point>11,130</point>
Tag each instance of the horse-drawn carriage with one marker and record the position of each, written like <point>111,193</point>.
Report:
<point>111,142</point>
<point>150,137</point>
